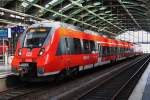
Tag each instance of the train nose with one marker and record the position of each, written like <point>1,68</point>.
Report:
<point>23,71</point>
<point>28,69</point>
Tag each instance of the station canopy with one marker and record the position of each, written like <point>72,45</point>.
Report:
<point>109,17</point>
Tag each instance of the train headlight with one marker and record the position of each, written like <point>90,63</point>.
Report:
<point>19,52</point>
<point>41,51</point>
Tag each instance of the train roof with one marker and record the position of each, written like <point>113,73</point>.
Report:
<point>72,27</point>
<point>56,25</point>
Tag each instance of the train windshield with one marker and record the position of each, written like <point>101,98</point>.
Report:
<point>35,37</point>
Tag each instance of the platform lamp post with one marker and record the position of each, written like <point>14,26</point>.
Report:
<point>142,36</point>
<point>147,38</point>
<point>6,57</point>
<point>138,37</point>
<point>133,36</point>
<point>3,51</point>
<point>129,33</point>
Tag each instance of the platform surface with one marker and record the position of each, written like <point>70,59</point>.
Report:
<point>5,70</point>
<point>142,89</point>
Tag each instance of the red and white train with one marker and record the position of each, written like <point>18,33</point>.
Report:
<point>48,49</point>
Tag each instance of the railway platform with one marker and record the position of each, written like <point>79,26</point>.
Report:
<point>5,70</point>
<point>142,89</point>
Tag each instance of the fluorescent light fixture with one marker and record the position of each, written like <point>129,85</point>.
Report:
<point>31,19</point>
<point>1,13</point>
<point>22,17</point>
<point>101,14</point>
<point>24,4</point>
<point>19,17</point>
<point>53,1</point>
<point>12,15</point>
<point>30,0</point>
<point>66,7</point>
<point>41,10</point>
<point>106,12</point>
<point>110,19</point>
<point>97,3</point>
<point>47,5</point>
<point>103,8</point>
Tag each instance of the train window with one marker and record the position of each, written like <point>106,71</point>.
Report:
<point>69,45</point>
<point>66,42</point>
<point>122,50</point>
<point>77,46</point>
<point>109,50</point>
<point>89,46</point>
<point>61,47</point>
<point>118,50</point>
<point>104,51</point>
<point>114,51</point>
<point>100,50</point>
<point>86,46</point>
<point>35,37</point>
<point>92,46</point>
<point>107,53</point>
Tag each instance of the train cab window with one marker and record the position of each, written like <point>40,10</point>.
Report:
<point>77,46</point>
<point>35,37</point>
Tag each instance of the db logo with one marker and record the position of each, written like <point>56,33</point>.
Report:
<point>28,54</point>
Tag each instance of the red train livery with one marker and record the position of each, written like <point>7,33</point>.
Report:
<point>52,48</point>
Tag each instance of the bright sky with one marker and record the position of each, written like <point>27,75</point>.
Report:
<point>137,36</point>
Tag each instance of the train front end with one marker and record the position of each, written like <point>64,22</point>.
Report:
<point>31,54</point>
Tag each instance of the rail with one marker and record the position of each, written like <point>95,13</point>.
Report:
<point>108,89</point>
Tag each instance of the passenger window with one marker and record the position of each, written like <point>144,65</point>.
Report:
<point>92,47</point>
<point>104,51</point>
<point>62,46</point>
<point>77,46</point>
<point>100,50</point>
<point>86,46</point>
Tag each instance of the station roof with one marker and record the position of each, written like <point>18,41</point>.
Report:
<point>109,17</point>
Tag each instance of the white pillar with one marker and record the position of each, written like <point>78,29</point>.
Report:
<point>6,57</point>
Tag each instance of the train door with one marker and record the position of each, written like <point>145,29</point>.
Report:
<point>68,43</point>
<point>99,52</point>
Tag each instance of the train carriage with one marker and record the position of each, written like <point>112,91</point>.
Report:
<point>47,49</point>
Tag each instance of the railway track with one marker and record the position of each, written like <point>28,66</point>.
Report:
<point>117,87</point>
<point>22,90</point>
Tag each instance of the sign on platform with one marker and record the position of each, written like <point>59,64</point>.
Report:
<point>3,32</point>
